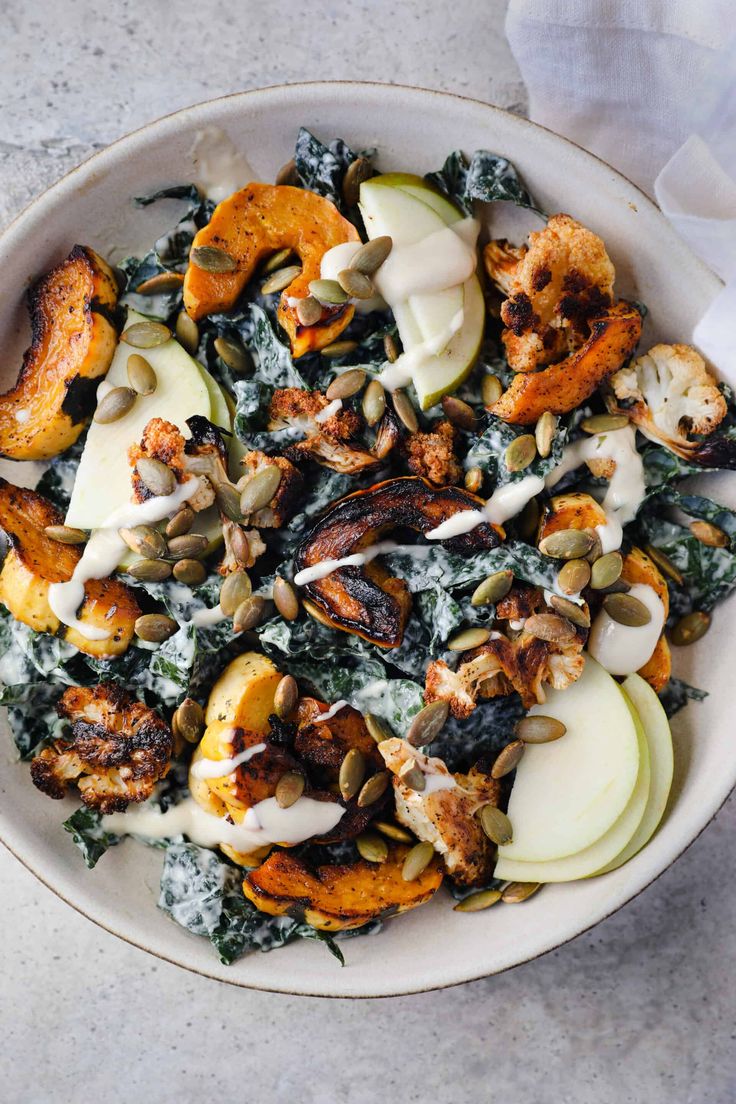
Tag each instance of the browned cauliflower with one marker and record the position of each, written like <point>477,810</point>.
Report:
<point>242,547</point>
<point>444,812</point>
<point>326,439</point>
<point>202,455</point>
<point>486,671</point>
<point>286,500</point>
<point>432,455</point>
<point>119,749</point>
<point>670,394</point>
<point>555,286</point>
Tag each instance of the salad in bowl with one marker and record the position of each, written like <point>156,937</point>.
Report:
<point>362,543</point>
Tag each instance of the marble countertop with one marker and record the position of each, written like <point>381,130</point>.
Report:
<point>641,1009</point>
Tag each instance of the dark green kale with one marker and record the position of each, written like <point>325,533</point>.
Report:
<point>677,694</point>
<point>487,177</point>
<point>85,827</point>
<point>322,168</point>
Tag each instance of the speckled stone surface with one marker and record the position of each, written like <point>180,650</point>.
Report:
<point>639,1010</point>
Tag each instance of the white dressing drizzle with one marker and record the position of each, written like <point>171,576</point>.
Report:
<point>357,559</point>
<point>505,502</point>
<point>332,264</point>
<point>623,649</point>
<point>331,409</point>
<point>338,705</point>
<point>221,768</point>
<point>202,618</point>
<point>221,168</point>
<point>437,262</point>
<point>401,372</point>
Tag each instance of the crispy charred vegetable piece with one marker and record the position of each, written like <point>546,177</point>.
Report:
<point>446,817</point>
<point>327,441</point>
<point>432,455</point>
<point>322,745</point>
<point>286,500</point>
<point>118,751</point>
<point>367,600</point>
<point>574,510</point>
<point>339,897</point>
<point>202,454</point>
<point>251,225</point>
<point>73,340</point>
<point>639,568</point>
<point>33,561</point>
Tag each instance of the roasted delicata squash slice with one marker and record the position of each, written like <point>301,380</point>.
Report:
<point>367,600</point>
<point>574,510</point>
<point>323,744</point>
<point>33,562</point>
<point>339,897</point>
<point>249,226</point>
<point>243,694</point>
<point>73,340</point>
<point>639,568</point>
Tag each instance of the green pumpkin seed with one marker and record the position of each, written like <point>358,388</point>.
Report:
<point>596,548</point>
<point>372,848</point>
<point>187,332</point>
<point>417,860</point>
<point>211,258</point>
<point>690,628</point>
<point>507,759</point>
<point>355,284</point>
<point>228,501</point>
<point>625,609</point>
<point>289,789</point>
<point>516,892</point>
<point>188,547</point>
<point>338,349</point>
<point>352,773</point>
<point>393,831</point>
<point>150,571</point>
<point>411,775</point>
<point>369,258</point>
<point>708,534</point>
<point>66,534</point>
<point>155,627</point>
<point>475,902</point>
<point>234,355</point>
<point>189,720</point>
<point>285,599</point>
<point>141,376</point>
<point>249,613</point>
<point>191,572</point>
<point>181,522</point>
<point>145,541</point>
<point>474,480</point>
<point>374,402</point>
<point>550,627</point>
<point>260,489</point>
<point>664,563</point>
<point>469,638</point>
<point>491,390</point>
<point>377,728</point>
<point>521,452</point>
<point>240,547</point>
<point>604,423</point>
<point>277,260</point>
<point>286,696</point>
<point>328,292</point>
<point>373,789</point>
<point>571,611</point>
<point>538,729</point>
<point>346,384</point>
<point>114,405</point>
<point>156,477</point>
<point>308,311</point>
<point>358,171</point>
<point>405,411</point>
<point>459,413</point>
<point>544,433</point>
<point>496,825</point>
<point>280,279</point>
<point>146,335</point>
<point>567,544</point>
<point>606,571</point>
<point>161,282</point>
<point>493,588</point>
<point>428,723</point>
<point>288,175</point>
<point>234,591</point>
<point>390,348</point>
<point>573,576</point>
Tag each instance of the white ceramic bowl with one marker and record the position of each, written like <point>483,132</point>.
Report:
<point>413,130</point>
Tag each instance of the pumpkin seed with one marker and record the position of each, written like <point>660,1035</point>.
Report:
<point>234,355</point>
<point>355,284</point>
<point>181,522</point>
<point>114,405</point>
<point>337,349</point>
<point>260,489</point>
<point>346,384</point>
<point>144,540</point>
<point>516,892</point>
<point>469,638</point>
<point>550,627</point>
<point>571,611</point>
<point>188,547</point>
<point>625,609</point>
<point>708,534</point>
<point>369,258</point>
<point>191,572</point>
<point>146,335</point>
<point>285,599</point>
<point>150,571</point>
<point>496,825</point>
<point>308,311</point>
<point>475,902</point>
<point>528,520</point>
<point>277,260</point>
<point>458,412</point>
<point>377,728</point>
<point>358,171</point>
<point>373,789</point>
<point>405,411</point>
<point>189,720</point>
<point>566,544</point>
<point>538,729</point>
<point>187,332</point>
<point>233,592</point>
<point>212,258</point>
<point>390,348</point>
<point>374,402</point>
<point>372,848</point>
<point>664,563</point>
<point>249,613</point>
<point>289,789</point>
<point>280,279</point>
<point>352,773</point>
<point>327,291</point>
<point>162,281</point>
<point>493,588</point>
<point>507,759</point>
<point>155,627</point>
<point>521,452</point>
<point>393,831</point>
<point>417,860</point>
<point>573,576</point>
<point>228,501</point>
<point>412,775</point>
<point>544,433</point>
<point>155,476</point>
<point>491,390</point>
<point>65,534</point>
<point>690,628</point>
<point>604,423</point>
<point>606,571</point>
<point>285,697</point>
<point>141,376</point>
<point>428,723</point>
<point>287,174</point>
<point>240,547</point>
<point>473,480</point>
<point>596,548</point>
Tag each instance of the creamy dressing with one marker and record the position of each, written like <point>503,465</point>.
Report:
<point>623,649</point>
<point>221,768</point>
<point>202,618</point>
<point>357,559</point>
<point>329,411</point>
<point>505,502</point>
<point>338,705</point>
<point>332,264</point>
<point>435,263</point>
<point>401,372</point>
<point>221,168</point>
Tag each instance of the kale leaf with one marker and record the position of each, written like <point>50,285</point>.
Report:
<point>85,827</point>
<point>322,168</point>
<point>487,177</point>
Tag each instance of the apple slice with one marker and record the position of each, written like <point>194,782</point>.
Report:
<point>569,793</point>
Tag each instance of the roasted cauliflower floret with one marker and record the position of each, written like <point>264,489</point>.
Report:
<point>162,441</point>
<point>242,547</point>
<point>286,500</point>
<point>119,749</point>
<point>489,669</point>
<point>670,395</point>
<point>445,816</point>
<point>326,438</point>
<point>433,455</point>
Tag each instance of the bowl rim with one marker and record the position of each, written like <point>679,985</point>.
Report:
<point>168,123</point>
